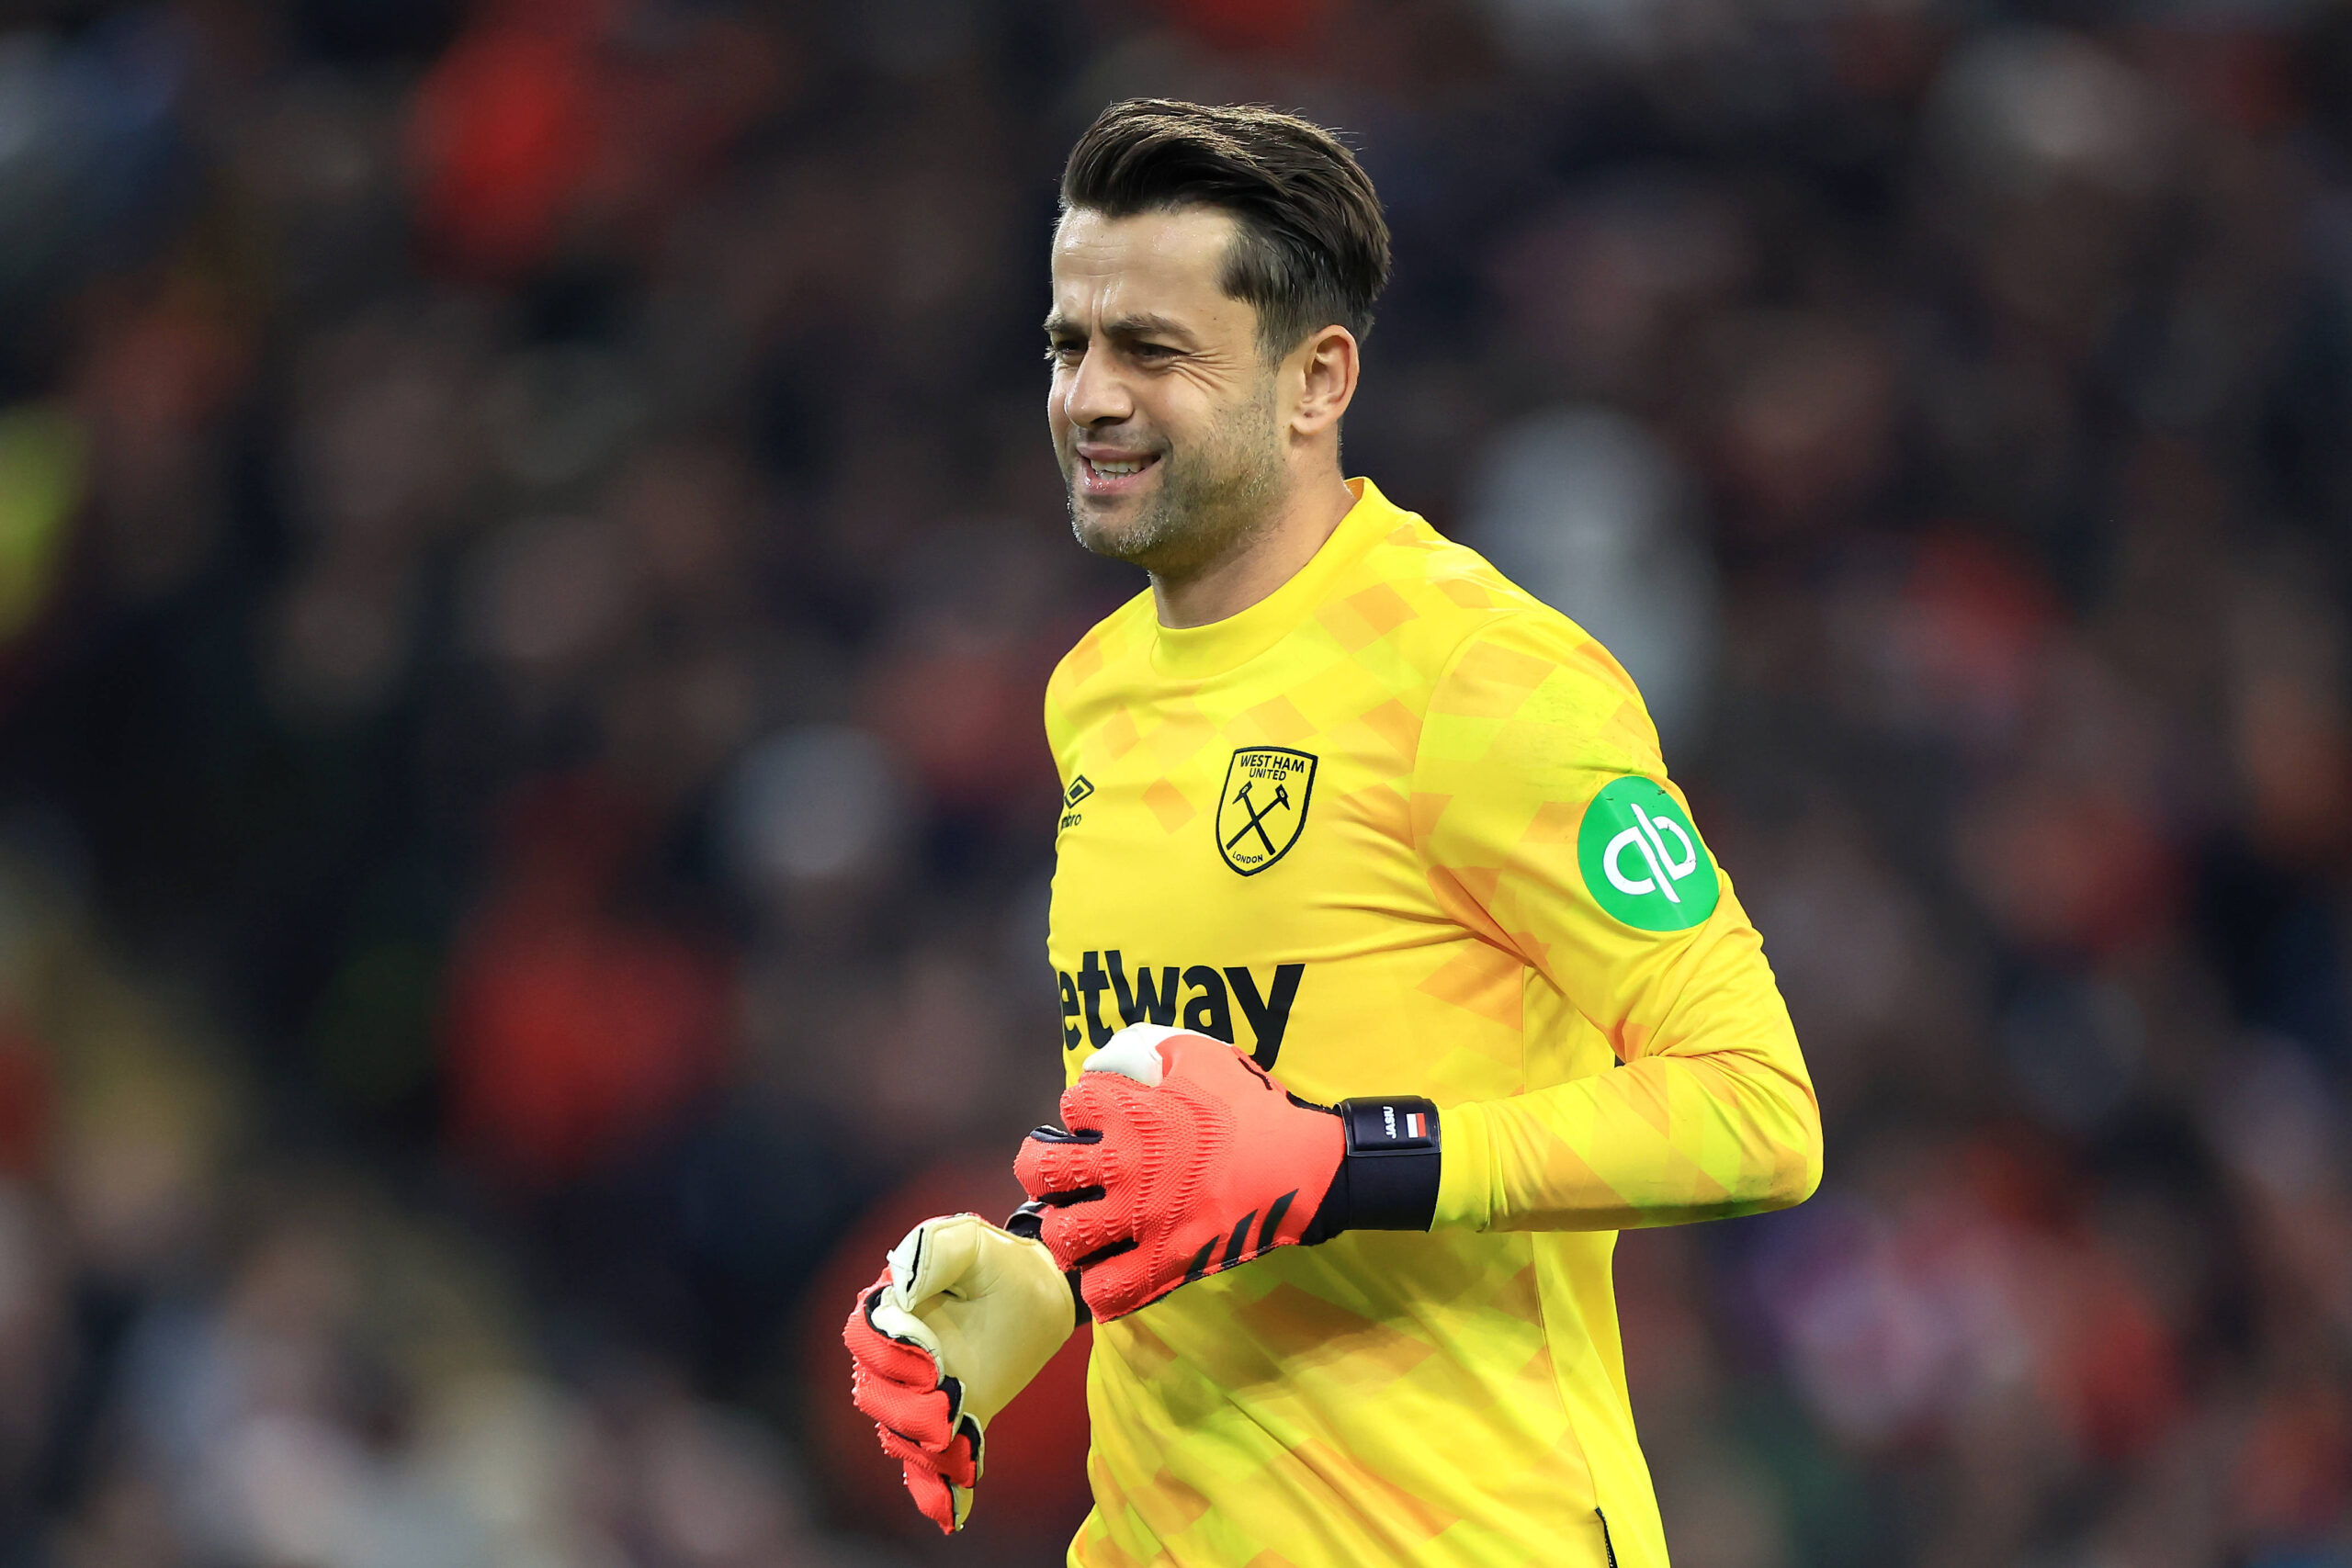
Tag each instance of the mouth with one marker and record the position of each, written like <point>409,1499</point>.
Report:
<point>1107,475</point>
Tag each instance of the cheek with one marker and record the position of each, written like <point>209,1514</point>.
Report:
<point>1175,409</point>
<point>1205,405</point>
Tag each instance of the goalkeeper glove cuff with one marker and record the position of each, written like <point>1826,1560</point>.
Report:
<point>1388,1169</point>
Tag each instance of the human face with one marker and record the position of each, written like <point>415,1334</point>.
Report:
<point>1163,407</point>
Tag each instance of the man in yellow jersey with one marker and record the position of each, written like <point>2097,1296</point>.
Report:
<point>1397,840</point>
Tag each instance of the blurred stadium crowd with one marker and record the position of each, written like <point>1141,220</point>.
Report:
<point>528,558</point>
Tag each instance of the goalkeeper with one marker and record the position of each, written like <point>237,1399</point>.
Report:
<point>1394,976</point>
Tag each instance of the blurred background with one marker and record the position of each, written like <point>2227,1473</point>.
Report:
<point>528,559</point>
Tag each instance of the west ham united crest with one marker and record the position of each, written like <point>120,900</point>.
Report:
<point>1263,808</point>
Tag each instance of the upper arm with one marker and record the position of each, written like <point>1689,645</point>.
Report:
<point>1546,821</point>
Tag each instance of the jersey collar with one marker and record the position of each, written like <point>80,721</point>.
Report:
<point>1196,652</point>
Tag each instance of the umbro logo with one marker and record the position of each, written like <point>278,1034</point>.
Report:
<point>1080,786</point>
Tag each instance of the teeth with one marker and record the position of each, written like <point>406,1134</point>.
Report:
<point>1116,469</point>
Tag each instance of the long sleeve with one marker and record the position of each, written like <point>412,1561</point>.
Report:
<point>1546,822</point>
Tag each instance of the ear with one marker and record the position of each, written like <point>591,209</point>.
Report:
<point>1323,369</point>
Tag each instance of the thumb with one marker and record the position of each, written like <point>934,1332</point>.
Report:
<point>1140,1051</point>
<point>1204,1059</point>
<point>936,1257</point>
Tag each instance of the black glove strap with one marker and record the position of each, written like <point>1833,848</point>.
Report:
<point>1388,1173</point>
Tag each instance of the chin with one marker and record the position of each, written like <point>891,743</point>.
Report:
<point>1111,543</point>
<point>1122,533</point>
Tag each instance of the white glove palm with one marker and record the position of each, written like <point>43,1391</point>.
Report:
<point>991,1307</point>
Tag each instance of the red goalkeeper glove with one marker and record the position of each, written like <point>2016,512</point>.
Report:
<point>1179,1158</point>
<point>959,1323</point>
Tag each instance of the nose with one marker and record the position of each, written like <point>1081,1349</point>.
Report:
<point>1095,393</point>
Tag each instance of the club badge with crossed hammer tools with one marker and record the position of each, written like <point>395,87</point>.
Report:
<point>1262,809</point>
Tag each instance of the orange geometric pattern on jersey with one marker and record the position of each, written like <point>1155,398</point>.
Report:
<point>1457,1397</point>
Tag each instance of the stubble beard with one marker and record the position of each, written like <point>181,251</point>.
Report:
<point>1208,503</point>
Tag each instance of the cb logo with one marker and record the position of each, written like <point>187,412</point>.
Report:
<point>1642,861</point>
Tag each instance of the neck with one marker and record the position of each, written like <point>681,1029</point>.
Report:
<point>1258,564</point>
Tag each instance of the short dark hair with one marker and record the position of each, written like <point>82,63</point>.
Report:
<point>1312,247</point>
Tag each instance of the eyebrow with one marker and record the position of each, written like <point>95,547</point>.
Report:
<point>1126,327</point>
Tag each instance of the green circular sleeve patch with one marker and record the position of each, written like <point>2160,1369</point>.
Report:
<point>1642,861</point>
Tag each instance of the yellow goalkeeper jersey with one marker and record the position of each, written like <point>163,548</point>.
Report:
<point>1401,829</point>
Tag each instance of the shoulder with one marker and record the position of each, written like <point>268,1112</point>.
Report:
<point>1475,628</point>
<point>1538,690</point>
<point>1087,676</point>
<point>1508,678</point>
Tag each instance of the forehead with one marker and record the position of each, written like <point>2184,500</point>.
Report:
<point>1148,262</point>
